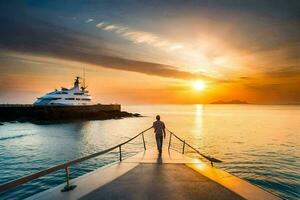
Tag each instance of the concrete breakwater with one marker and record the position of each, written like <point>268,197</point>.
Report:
<point>28,112</point>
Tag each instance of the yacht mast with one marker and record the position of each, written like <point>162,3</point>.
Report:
<point>84,77</point>
<point>83,87</point>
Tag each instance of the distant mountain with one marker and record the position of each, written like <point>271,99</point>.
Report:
<point>230,102</point>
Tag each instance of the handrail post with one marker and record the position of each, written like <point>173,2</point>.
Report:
<point>183,147</point>
<point>68,187</point>
<point>120,153</point>
<point>170,140</point>
<point>144,141</point>
<point>212,163</point>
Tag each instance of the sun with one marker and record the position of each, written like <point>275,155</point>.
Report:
<point>199,85</point>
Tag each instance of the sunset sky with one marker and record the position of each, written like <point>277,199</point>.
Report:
<point>141,52</point>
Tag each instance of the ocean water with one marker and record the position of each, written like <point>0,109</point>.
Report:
<point>258,143</point>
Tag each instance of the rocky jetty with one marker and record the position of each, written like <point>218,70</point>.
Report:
<point>62,113</point>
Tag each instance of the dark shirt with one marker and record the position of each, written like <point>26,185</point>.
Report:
<point>158,126</point>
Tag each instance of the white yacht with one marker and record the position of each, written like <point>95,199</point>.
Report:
<point>74,96</point>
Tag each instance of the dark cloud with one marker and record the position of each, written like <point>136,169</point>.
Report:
<point>245,78</point>
<point>43,38</point>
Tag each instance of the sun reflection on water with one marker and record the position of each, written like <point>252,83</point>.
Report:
<point>198,121</point>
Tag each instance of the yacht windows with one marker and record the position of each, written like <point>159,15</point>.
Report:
<point>77,99</point>
<point>61,93</point>
<point>78,93</point>
<point>49,98</point>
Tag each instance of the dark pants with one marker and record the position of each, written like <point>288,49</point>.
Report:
<point>159,141</point>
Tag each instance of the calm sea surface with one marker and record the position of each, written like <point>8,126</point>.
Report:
<point>256,142</point>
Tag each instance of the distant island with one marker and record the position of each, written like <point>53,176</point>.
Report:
<point>230,102</point>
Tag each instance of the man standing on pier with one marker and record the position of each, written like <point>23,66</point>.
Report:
<point>160,132</point>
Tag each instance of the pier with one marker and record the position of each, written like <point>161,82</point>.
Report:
<point>149,175</point>
<point>29,112</point>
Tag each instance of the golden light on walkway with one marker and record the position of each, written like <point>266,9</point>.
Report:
<point>199,85</point>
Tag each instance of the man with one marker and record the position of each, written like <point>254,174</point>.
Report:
<point>160,132</point>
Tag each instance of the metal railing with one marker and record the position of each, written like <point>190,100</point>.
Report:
<point>25,179</point>
<point>209,158</point>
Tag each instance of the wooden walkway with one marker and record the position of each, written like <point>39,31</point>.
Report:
<point>150,176</point>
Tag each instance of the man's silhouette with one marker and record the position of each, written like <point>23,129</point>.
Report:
<point>160,132</point>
